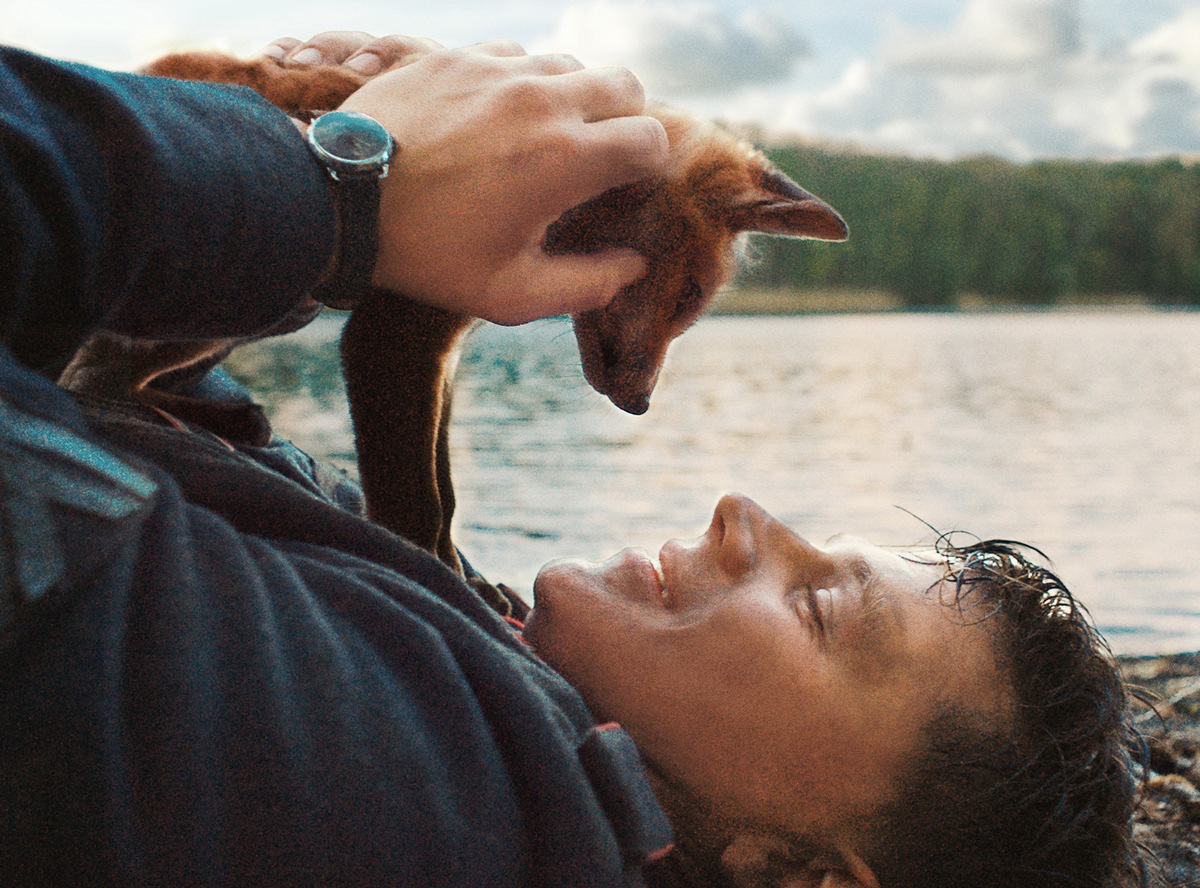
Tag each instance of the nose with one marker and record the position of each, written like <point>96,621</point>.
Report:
<point>749,532</point>
<point>738,507</point>
<point>727,545</point>
<point>737,531</point>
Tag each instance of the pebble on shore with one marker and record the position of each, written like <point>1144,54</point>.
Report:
<point>1167,821</point>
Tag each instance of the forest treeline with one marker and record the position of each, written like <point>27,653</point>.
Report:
<point>1037,233</point>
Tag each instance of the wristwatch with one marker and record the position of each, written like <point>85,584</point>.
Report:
<point>355,149</point>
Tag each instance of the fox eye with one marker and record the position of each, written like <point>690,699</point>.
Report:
<point>690,298</point>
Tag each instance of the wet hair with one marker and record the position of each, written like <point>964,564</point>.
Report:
<point>1044,801</point>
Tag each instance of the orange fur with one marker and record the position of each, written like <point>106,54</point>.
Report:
<point>398,356</point>
<point>297,90</point>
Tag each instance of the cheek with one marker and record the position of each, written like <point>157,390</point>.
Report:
<point>785,750</point>
<point>728,701</point>
<point>769,724</point>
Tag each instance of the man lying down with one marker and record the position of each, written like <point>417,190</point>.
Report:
<point>851,714</point>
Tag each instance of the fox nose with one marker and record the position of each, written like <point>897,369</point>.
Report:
<point>631,385</point>
<point>635,403</point>
<point>631,377</point>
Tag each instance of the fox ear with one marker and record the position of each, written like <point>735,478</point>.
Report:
<point>777,205</point>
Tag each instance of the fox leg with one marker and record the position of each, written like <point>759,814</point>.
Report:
<point>398,361</point>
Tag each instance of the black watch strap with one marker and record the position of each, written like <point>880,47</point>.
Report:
<point>356,199</point>
<point>355,149</point>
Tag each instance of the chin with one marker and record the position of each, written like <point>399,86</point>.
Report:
<point>559,593</point>
<point>553,631</point>
<point>548,625</point>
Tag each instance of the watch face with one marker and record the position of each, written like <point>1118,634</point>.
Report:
<point>351,142</point>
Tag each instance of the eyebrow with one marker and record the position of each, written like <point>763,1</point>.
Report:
<point>862,569</point>
<point>878,604</point>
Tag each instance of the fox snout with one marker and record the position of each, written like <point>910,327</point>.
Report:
<point>623,369</point>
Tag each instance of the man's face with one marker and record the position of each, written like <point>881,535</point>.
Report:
<point>780,682</point>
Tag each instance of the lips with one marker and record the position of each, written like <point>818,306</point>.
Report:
<point>664,589</point>
<point>648,575</point>
<point>669,570</point>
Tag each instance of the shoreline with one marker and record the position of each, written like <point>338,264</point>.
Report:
<point>752,301</point>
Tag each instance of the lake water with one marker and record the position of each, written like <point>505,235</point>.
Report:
<point>1078,432</point>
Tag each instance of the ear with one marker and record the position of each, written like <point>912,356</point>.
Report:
<point>777,205</point>
<point>849,871</point>
<point>758,861</point>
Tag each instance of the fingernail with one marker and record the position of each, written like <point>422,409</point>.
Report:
<point>275,51</point>
<point>366,63</point>
<point>308,56</point>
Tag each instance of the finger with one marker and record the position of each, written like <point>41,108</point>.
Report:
<point>503,48</point>
<point>602,92</point>
<point>538,285</point>
<point>329,47</point>
<point>618,151</point>
<point>277,49</point>
<point>393,51</point>
<point>551,63</point>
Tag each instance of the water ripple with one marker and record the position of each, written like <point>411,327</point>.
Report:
<point>1074,431</point>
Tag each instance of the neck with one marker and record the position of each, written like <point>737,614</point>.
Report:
<point>700,834</point>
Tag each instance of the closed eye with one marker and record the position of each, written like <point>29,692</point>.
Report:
<point>815,606</point>
<point>812,603</point>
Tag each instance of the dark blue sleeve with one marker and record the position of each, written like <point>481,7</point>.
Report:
<point>149,206</point>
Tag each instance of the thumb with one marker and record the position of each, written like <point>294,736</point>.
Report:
<point>540,285</point>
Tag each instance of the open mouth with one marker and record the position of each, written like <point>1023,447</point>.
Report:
<point>651,581</point>
<point>664,593</point>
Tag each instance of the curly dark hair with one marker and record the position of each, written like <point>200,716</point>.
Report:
<point>1047,803</point>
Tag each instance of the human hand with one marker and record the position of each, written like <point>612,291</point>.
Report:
<point>363,53</point>
<point>492,146</point>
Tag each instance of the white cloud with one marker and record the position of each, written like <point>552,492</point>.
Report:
<point>1172,120</point>
<point>1175,43</point>
<point>993,35</point>
<point>680,50</point>
<point>126,33</point>
<point>117,34</point>
<point>1018,78</point>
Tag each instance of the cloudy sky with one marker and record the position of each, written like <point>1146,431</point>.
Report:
<point>941,78</point>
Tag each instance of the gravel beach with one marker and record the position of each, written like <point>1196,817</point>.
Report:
<point>1167,822</point>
